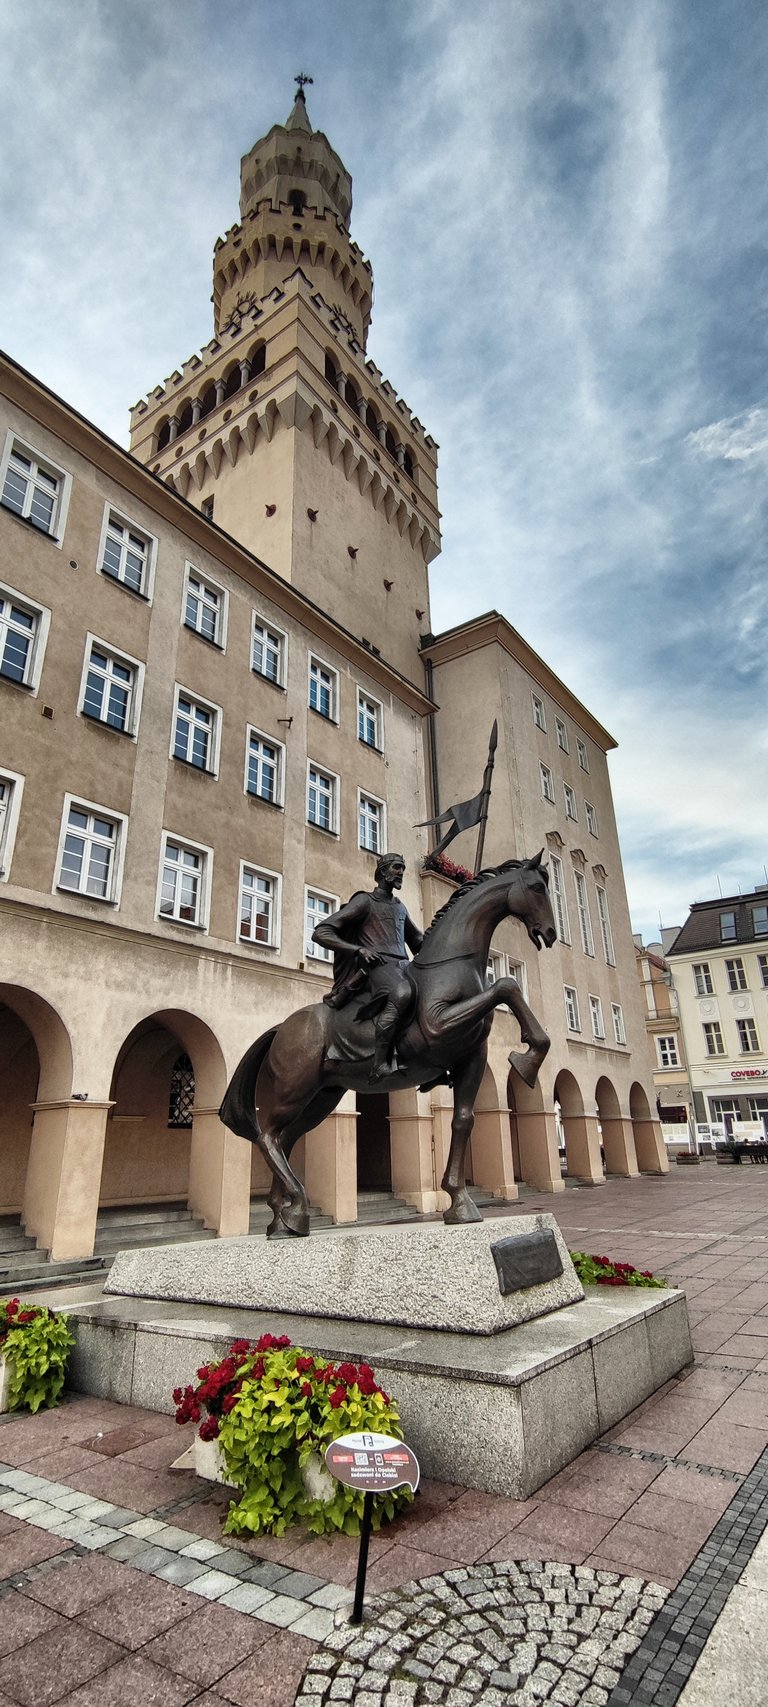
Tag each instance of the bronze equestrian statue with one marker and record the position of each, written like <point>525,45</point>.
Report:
<point>436,1011</point>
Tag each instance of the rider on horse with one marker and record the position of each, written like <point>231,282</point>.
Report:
<point>369,937</point>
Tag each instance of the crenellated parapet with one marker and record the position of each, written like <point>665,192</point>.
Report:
<point>255,254</point>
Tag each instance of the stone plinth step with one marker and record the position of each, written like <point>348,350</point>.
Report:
<point>45,1274</point>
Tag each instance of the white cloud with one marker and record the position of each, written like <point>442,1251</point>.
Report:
<point>738,439</point>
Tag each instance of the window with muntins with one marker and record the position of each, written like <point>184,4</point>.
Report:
<point>702,979</point>
<point>562,734</point>
<point>370,823</point>
<point>258,907</point>
<point>713,1038</point>
<point>125,557</point>
<point>181,1102</point>
<point>606,934</point>
<point>619,1034</point>
<point>518,971</point>
<point>585,923</point>
<point>321,799</point>
<point>322,689</point>
<point>558,896</point>
<point>727,927</point>
<point>539,714</point>
<point>547,783</point>
<point>572,1016</point>
<point>583,755</point>
<point>762,961</point>
<point>318,908</point>
<point>666,1048</point>
<point>749,1043</point>
<point>203,607</point>
<point>88,855</point>
<point>570,803</point>
<point>596,1014</point>
<point>369,721</point>
<point>263,779</point>
<point>268,653</point>
<point>737,977</point>
<point>110,686</point>
<point>760,920</point>
<point>194,732</point>
<point>11,787</point>
<point>181,888</point>
<point>19,629</point>
<point>591,818</point>
<point>32,490</point>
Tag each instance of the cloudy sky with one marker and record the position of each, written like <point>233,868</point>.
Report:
<point>564,202</point>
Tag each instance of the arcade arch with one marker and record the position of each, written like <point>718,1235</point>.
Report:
<point>618,1145</point>
<point>580,1134</point>
<point>649,1146</point>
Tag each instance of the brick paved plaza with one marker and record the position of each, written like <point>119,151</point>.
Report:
<point>117,1585</point>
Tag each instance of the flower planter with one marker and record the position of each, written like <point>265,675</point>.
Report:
<point>209,1462</point>
<point>5,1383</point>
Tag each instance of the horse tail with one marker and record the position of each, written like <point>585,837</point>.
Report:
<point>238,1110</point>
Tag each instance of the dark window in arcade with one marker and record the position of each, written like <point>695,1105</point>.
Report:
<point>182,1099</point>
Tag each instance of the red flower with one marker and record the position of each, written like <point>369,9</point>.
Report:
<point>201,1373</point>
<point>229,1402</point>
<point>12,1306</point>
<point>209,1429</point>
<point>177,1395</point>
<point>347,1372</point>
<point>239,1348</point>
<point>337,1397</point>
<point>306,1390</point>
<point>269,1343</point>
<point>305,1365</point>
<point>26,1316</point>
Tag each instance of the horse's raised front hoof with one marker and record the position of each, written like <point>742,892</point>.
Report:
<point>527,1065</point>
<point>463,1210</point>
<point>295,1220</point>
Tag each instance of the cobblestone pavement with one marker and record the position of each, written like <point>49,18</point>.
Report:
<point>490,1633</point>
<point>116,1582</point>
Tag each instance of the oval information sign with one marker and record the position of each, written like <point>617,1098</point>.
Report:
<point>372,1462</point>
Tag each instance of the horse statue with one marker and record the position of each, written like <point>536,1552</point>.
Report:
<point>294,1075</point>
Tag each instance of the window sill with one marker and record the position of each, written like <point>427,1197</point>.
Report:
<point>101,723</point>
<point>81,895</point>
<point>183,924</point>
<point>326,716</point>
<point>216,644</point>
<point>259,800</point>
<point>189,765</point>
<point>370,746</point>
<point>115,580</point>
<point>322,829</point>
<point>25,686</point>
<point>270,680</point>
<point>270,947</point>
<point>26,522</point>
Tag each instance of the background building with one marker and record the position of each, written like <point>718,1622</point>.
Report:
<point>674,1099</point>
<point>218,685</point>
<point>719,963</point>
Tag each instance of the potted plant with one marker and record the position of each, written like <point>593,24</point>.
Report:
<point>34,1347</point>
<point>270,1411</point>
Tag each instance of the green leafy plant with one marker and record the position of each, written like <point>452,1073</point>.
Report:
<point>603,1271</point>
<point>35,1343</point>
<point>273,1408</point>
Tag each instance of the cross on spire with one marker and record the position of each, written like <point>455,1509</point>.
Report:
<point>302,80</point>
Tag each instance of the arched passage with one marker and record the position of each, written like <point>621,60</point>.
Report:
<point>374,1151</point>
<point>533,1135</point>
<point>649,1144</point>
<point>582,1144</point>
<point>616,1132</point>
<point>490,1161</point>
<point>165,1141</point>
<point>44,1127</point>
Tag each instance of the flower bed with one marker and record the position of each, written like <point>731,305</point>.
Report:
<point>446,868</point>
<point>272,1408</point>
<point>34,1348</point>
<point>603,1271</point>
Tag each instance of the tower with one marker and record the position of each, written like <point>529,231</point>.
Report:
<point>282,430</point>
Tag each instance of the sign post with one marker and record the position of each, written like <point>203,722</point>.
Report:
<point>375,1463</point>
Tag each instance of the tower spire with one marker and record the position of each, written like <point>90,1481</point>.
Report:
<point>298,118</point>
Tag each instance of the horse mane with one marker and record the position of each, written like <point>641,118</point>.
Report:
<point>471,883</point>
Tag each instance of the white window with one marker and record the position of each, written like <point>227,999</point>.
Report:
<point>519,971</point>
<point>558,896</point>
<point>749,1043</point>
<point>370,823</point>
<point>727,927</point>
<point>90,850</point>
<point>196,732</point>
<point>269,651</point>
<point>583,756</point>
<point>110,690</point>
<point>591,818</point>
<point>570,803</point>
<point>322,798</point>
<point>572,1016</point>
<point>666,1048</point>
<point>539,715</point>
<point>547,783</point>
<point>34,488</point>
<point>762,961</point>
<point>496,968</point>
<point>185,878</point>
<point>126,554</point>
<point>737,977</point>
<point>11,789</point>
<point>760,921</point>
<point>23,632</point>
<point>369,721</point>
<point>205,607</point>
<point>582,904</point>
<point>702,978</point>
<point>619,1033</point>
<point>606,933</point>
<point>562,734</point>
<point>596,1015</point>
<point>258,918</point>
<point>323,689</point>
<point>264,768</point>
<point>713,1038</point>
<point>318,907</point>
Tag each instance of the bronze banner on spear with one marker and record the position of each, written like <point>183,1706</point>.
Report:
<point>466,813</point>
